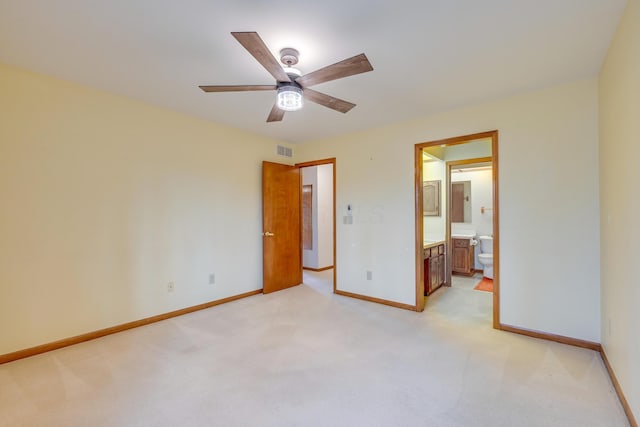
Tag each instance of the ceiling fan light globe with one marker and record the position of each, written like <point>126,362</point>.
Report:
<point>289,98</point>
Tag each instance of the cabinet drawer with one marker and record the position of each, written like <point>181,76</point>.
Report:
<point>432,252</point>
<point>460,243</point>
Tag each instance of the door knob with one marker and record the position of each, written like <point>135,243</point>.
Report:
<point>268,234</point>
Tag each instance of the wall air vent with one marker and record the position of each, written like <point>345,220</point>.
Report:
<point>284,151</point>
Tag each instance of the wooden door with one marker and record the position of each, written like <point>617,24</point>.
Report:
<point>281,245</point>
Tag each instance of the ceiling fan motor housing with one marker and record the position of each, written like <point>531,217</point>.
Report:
<point>289,56</point>
<point>292,83</point>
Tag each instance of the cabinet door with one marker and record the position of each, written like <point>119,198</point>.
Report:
<point>460,255</point>
<point>442,274</point>
<point>427,276</point>
<point>434,268</point>
<point>460,260</point>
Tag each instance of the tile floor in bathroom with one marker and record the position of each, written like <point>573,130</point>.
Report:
<point>465,282</point>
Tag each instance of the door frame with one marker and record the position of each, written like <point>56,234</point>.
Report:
<point>328,161</point>
<point>419,222</point>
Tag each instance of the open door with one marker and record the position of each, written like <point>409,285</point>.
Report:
<point>281,241</point>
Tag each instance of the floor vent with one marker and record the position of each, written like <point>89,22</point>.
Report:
<point>284,151</point>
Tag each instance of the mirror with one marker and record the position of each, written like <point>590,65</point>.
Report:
<point>461,201</point>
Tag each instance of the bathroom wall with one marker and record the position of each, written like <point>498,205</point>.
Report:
<point>481,196</point>
<point>547,202</point>
<point>620,204</point>
<point>435,226</point>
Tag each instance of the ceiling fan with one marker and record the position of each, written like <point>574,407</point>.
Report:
<point>290,85</point>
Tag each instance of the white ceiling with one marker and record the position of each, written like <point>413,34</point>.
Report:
<point>428,55</point>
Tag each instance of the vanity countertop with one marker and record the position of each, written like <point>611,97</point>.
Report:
<point>431,243</point>
<point>464,235</point>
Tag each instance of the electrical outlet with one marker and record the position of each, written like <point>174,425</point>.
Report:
<point>369,275</point>
<point>212,279</point>
<point>171,286</point>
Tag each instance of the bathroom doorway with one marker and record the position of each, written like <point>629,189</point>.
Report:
<point>453,165</point>
<point>470,221</point>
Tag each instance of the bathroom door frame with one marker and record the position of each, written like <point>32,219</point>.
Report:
<point>419,219</point>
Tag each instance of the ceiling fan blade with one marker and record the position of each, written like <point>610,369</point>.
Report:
<point>348,67</point>
<point>328,101</point>
<point>276,114</point>
<point>256,47</point>
<point>242,88</point>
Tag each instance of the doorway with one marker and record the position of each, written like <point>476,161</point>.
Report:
<point>458,150</point>
<point>318,221</point>
<point>283,233</point>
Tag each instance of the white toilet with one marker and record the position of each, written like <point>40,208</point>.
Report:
<point>485,257</point>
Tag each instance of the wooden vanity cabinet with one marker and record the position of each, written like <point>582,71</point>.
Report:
<point>463,257</point>
<point>434,267</point>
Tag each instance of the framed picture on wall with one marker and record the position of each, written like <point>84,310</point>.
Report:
<point>431,198</point>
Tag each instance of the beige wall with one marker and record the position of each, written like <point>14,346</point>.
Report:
<point>620,203</point>
<point>549,211</point>
<point>105,200</point>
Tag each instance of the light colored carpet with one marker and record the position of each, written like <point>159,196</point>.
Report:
<point>306,357</point>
